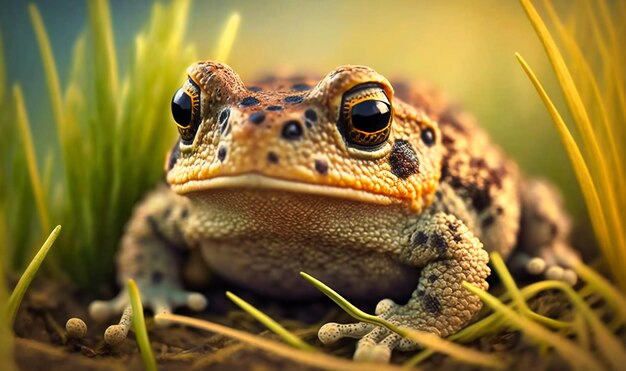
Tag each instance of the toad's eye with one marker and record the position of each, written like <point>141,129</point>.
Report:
<point>186,110</point>
<point>366,116</point>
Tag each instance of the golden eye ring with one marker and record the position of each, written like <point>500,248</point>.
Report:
<point>366,116</point>
<point>186,110</point>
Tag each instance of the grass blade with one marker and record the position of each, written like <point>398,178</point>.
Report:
<point>272,325</point>
<point>583,175</point>
<point>31,158</point>
<point>603,176</point>
<point>320,360</point>
<point>139,326</point>
<point>577,357</point>
<point>423,338</point>
<point>27,277</point>
<point>227,38</point>
<point>52,76</point>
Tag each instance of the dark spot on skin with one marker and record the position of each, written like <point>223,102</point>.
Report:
<point>499,210</point>
<point>431,304</point>
<point>403,160</point>
<point>300,87</point>
<point>449,117</point>
<point>439,195</point>
<point>174,153</point>
<point>224,119</point>
<point>257,117</point>
<point>453,227</point>
<point>432,278</point>
<point>293,99</point>
<point>419,238</point>
<point>156,277</point>
<point>321,166</point>
<point>221,153</point>
<point>272,157</point>
<point>249,102</point>
<point>488,221</point>
<point>428,136</point>
<point>310,116</point>
<point>274,108</point>
<point>447,141</point>
<point>458,238</point>
<point>292,130</point>
<point>184,214</point>
<point>167,212</point>
<point>255,88</point>
<point>554,230</point>
<point>439,242</point>
<point>479,196</point>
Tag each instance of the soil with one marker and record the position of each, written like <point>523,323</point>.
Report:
<point>41,342</point>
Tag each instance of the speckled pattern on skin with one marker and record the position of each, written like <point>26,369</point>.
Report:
<point>376,193</point>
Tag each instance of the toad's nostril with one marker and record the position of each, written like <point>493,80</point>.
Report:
<point>292,130</point>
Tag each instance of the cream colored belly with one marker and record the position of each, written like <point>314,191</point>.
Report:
<point>273,269</point>
<point>263,239</point>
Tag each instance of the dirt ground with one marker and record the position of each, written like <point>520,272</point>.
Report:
<point>41,341</point>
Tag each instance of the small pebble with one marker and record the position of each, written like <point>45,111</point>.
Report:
<point>76,328</point>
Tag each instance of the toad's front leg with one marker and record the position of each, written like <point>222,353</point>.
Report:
<point>449,254</point>
<point>150,254</point>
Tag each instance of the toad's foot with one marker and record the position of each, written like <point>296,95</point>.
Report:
<point>549,263</point>
<point>376,343</point>
<point>544,247</point>
<point>160,298</point>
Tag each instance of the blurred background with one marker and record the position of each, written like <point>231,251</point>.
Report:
<point>464,48</point>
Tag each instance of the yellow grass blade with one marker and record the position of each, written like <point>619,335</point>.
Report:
<point>580,167</point>
<point>587,75</point>
<point>227,39</point>
<point>602,175</point>
<point>317,359</point>
<point>31,158</point>
<point>425,339</point>
<point>577,357</point>
<point>27,277</point>
<point>272,325</point>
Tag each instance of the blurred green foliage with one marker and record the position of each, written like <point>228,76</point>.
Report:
<point>112,134</point>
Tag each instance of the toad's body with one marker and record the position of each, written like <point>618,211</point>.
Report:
<point>376,194</point>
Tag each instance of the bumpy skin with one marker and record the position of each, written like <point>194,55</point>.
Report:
<point>269,186</point>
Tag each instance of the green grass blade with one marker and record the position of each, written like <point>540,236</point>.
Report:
<point>139,325</point>
<point>271,324</point>
<point>227,38</point>
<point>31,158</point>
<point>3,77</point>
<point>577,357</point>
<point>423,338</point>
<point>50,69</point>
<point>317,359</point>
<point>27,277</point>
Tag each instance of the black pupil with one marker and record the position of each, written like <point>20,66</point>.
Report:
<point>371,115</point>
<point>181,108</point>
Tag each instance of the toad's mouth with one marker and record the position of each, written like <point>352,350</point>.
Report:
<point>263,182</point>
